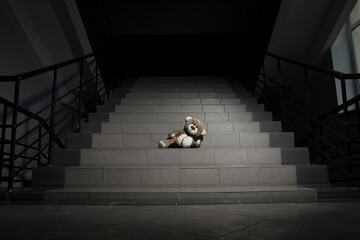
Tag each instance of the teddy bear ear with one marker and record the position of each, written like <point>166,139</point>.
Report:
<point>188,118</point>
<point>203,132</point>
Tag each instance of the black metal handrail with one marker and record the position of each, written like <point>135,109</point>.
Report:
<point>17,153</point>
<point>330,72</point>
<point>315,132</point>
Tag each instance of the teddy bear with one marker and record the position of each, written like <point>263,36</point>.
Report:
<point>190,137</point>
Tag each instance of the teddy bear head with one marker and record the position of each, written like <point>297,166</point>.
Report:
<point>194,127</point>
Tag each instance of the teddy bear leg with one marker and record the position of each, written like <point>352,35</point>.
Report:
<point>187,142</point>
<point>197,144</point>
<point>166,143</point>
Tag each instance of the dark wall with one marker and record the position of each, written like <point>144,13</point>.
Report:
<point>140,17</point>
<point>193,54</point>
<point>198,37</point>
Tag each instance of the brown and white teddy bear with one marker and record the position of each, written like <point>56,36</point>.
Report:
<point>189,137</point>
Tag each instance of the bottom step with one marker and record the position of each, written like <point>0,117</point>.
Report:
<point>184,195</point>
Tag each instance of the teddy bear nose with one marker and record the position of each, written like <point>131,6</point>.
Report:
<point>192,128</point>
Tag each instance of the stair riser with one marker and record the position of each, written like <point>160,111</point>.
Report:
<point>181,95</point>
<point>186,101</point>
<point>105,108</point>
<point>228,127</point>
<point>192,90</point>
<point>98,117</point>
<point>108,141</point>
<point>178,197</point>
<point>187,157</point>
<point>90,128</point>
<point>179,85</point>
<point>179,157</point>
<point>190,108</point>
<point>173,177</point>
<point>162,117</point>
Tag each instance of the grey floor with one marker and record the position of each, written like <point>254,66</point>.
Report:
<point>324,220</point>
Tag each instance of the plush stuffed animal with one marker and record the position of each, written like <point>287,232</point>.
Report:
<point>189,137</point>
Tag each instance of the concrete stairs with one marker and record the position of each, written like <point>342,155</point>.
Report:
<point>244,156</point>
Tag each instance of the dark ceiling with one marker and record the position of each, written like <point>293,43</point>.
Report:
<point>180,17</point>
<point>188,37</point>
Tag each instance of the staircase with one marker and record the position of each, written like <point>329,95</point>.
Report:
<point>244,156</point>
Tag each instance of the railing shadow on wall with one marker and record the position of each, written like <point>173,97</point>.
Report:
<point>28,137</point>
<point>332,136</point>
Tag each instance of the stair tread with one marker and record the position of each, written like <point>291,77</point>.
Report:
<point>182,167</point>
<point>187,189</point>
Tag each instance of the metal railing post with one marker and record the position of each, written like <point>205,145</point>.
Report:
<point>96,85</point>
<point>52,118</point>
<point>309,114</point>
<point>283,119</point>
<point>13,134</point>
<point>2,146</point>
<point>322,146</point>
<point>346,118</point>
<point>80,92</point>
<point>265,87</point>
<point>39,146</point>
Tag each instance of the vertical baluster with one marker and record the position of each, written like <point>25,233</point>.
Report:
<point>322,146</point>
<point>39,146</point>
<point>52,119</point>
<point>80,92</point>
<point>96,85</point>
<point>13,134</point>
<point>3,135</point>
<point>265,87</point>
<point>283,119</point>
<point>346,119</point>
<point>309,115</point>
<point>357,116</point>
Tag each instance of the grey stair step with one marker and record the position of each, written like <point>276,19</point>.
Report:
<point>186,101</point>
<point>196,108</point>
<point>182,95</point>
<point>184,195</point>
<point>66,157</point>
<point>78,140</point>
<point>179,85</point>
<point>194,80</point>
<point>249,156</point>
<point>161,117</point>
<point>148,140</point>
<point>90,127</point>
<point>105,108</point>
<point>165,177</point>
<point>154,127</point>
<point>312,174</point>
<point>184,90</point>
<point>98,117</point>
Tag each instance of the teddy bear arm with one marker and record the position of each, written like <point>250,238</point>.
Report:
<point>176,133</point>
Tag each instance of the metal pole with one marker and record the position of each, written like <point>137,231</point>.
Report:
<point>52,117</point>
<point>3,135</point>
<point>358,115</point>
<point>79,97</point>
<point>346,117</point>
<point>283,119</point>
<point>13,134</point>
<point>96,85</point>
<point>322,147</point>
<point>265,86</point>
<point>39,146</point>
<point>309,115</point>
